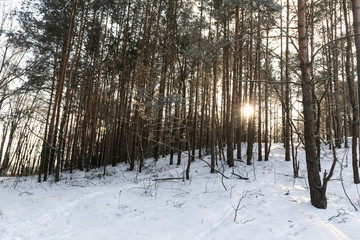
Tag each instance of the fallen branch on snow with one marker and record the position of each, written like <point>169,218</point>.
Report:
<point>168,179</point>
<point>239,176</point>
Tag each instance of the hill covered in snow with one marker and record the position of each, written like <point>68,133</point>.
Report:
<point>160,204</point>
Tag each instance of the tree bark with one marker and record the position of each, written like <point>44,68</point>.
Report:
<point>317,192</point>
<point>287,87</point>
<point>352,96</point>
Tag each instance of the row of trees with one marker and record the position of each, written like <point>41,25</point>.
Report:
<point>123,81</point>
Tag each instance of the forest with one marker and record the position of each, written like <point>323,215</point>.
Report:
<point>226,115</point>
<point>91,84</point>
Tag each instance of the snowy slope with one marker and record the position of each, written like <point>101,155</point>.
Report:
<point>126,205</point>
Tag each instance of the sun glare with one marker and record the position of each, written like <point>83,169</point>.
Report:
<point>248,110</point>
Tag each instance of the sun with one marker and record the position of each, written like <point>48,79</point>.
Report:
<point>248,110</point>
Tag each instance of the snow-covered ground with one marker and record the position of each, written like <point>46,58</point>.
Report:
<point>125,205</point>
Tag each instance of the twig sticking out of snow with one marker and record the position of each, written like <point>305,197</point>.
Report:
<point>357,189</point>
<point>342,181</point>
<point>341,211</point>
<point>119,199</point>
<point>238,205</point>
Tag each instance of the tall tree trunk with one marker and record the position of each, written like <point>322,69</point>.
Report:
<point>337,122</point>
<point>240,79</point>
<point>356,23</point>
<point>317,192</point>
<point>67,100</point>
<point>230,143</point>
<point>258,76</point>
<point>267,78</point>
<point>287,87</point>
<point>44,162</point>
<point>352,95</point>
<point>250,130</point>
<point>213,109</point>
<point>136,151</point>
<point>197,84</point>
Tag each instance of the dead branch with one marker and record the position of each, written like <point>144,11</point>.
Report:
<point>238,205</point>
<point>168,179</point>
<point>239,176</point>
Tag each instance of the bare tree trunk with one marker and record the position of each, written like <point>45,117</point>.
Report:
<point>337,122</point>
<point>62,78</point>
<point>45,146</point>
<point>258,76</point>
<point>356,23</point>
<point>197,84</point>
<point>352,95</point>
<point>230,143</point>
<point>250,131</point>
<point>213,109</point>
<point>137,151</point>
<point>266,139</point>
<point>287,87</point>
<point>240,98</point>
<point>317,192</point>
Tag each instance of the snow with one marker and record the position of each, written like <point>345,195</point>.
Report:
<point>128,205</point>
